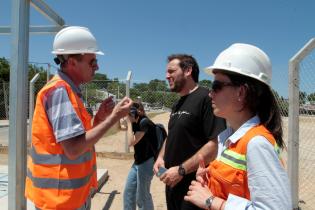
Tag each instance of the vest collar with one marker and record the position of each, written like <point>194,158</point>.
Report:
<point>75,88</point>
<point>228,134</point>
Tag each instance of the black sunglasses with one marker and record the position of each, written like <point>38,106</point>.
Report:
<point>218,85</point>
<point>93,62</point>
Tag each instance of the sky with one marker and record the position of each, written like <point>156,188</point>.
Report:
<point>138,35</point>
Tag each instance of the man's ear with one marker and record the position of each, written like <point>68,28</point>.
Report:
<point>188,71</point>
<point>72,61</point>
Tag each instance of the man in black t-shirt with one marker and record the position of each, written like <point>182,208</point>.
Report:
<point>192,130</point>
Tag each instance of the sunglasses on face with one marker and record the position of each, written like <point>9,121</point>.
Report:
<point>218,85</point>
<point>93,62</point>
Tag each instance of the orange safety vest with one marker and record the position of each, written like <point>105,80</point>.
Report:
<point>53,181</point>
<point>228,173</point>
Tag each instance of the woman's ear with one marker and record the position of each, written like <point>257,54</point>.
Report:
<point>242,92</point>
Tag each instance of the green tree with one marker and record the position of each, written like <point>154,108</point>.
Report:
<point>302,97</point>
<point>206,83</point>
<point>157,85</point>
<point>100,81</point>
<point>311,97</point>
<point>116,88</point>
<point>141,86</point>
<point>4,70</point>
<point>5,79</point>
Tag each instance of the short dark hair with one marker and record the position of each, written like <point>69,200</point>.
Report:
<point>187,61</point>
<point>137,105</point>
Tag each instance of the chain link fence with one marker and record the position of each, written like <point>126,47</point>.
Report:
<point>4,100</point>
<point>306,130</point>
<point>95,92</point>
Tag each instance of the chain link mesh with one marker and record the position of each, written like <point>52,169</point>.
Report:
<point>306,132</point>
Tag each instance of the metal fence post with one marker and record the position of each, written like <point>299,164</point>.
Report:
<point>17,113</point>
<point>293,135</point>
<point>48,72</point>
<point>128,95</point>
<point>31,106</point>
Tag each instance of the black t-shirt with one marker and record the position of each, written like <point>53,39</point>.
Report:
<point>144,148</point>
<point>191,125</point>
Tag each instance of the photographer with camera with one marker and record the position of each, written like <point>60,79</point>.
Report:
<point>142,136</point>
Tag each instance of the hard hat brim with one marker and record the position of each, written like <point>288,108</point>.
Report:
<point>76,52</point>
<point>209,70</point>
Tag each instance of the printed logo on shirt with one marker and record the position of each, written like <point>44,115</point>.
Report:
<point>178,114</point>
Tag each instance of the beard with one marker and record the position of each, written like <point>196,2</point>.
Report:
<point>178,86</point>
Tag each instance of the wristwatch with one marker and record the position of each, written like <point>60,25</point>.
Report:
<point>181,170</point>
<point>209,201</point>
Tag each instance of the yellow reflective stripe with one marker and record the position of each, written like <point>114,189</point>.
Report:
<point>233,159</point>
<point>52,80</point>
<point>277,149</point>
<point>235,155</point>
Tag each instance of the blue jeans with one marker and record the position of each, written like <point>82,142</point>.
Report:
<point>137,189</point>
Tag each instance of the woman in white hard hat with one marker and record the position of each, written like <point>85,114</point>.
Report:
<point>248,172</point>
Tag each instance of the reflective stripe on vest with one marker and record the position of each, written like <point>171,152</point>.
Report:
<point>49,183</point>
<point>233,159</point>
<point>55,159</point>
<point>237,160</point>
<point>228,173</point>
<point>277,149</point>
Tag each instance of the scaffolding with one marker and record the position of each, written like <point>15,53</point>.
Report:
<point>19,30</point>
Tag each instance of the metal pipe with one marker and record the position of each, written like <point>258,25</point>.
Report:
<point>31,106</point>
<point>18,109</point>
<point>128,95</point>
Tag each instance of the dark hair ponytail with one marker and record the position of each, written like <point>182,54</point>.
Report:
<point>269,114</point>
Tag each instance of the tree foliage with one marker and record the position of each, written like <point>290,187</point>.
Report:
<point>311,97</point>
<point>206,83</point>
<point>4,70</point>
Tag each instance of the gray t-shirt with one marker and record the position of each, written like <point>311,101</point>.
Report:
<point>64,120</point>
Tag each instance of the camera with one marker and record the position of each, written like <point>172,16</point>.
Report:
<point>133,112</point>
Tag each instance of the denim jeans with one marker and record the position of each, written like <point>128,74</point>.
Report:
<point>137,189</point>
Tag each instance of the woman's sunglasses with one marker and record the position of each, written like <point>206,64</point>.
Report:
<point>218,85</point>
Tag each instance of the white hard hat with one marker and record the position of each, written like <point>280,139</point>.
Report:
<point>75,40</point>
<point>244,59</point>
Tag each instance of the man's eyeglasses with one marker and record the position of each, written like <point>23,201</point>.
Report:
<point>93,62</point>
<point>218,85</point>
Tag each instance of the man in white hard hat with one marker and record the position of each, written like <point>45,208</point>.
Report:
<point>61,167</point>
